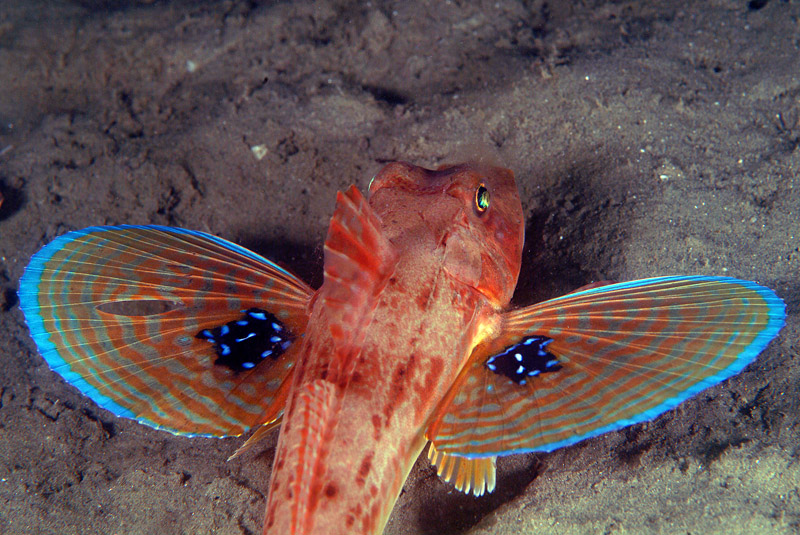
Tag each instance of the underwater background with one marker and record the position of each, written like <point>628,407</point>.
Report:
<point>648,138</point>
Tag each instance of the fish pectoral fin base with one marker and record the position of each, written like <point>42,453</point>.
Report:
<point>476,476</point>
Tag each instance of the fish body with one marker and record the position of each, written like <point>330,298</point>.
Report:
<point>381,353</point>
<point>409,340</point>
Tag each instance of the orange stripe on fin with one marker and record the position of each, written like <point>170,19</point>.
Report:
<point>271,419</point>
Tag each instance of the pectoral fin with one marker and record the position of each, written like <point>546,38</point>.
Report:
<point>600,359</point>
<point>178,329</point>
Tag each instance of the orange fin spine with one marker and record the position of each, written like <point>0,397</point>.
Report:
<point>359,260</point>
<point>260,434</point>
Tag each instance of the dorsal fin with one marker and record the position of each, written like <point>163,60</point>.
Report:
<point>359,260</point>
<point>468,475</point>
<point>312,425</point>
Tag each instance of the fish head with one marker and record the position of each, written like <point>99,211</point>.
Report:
<point>471,210</point>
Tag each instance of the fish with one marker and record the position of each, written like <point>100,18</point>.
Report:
<point>409,342</point>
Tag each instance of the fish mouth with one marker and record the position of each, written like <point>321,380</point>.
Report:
<point>502,279</point>
<point>499,266</point>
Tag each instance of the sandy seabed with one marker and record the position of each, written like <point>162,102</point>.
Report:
<point>648,138</point>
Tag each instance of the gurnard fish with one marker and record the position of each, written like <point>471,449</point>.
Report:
<point>410,340</point>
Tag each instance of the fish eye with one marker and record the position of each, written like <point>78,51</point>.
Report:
<point>481,198</point>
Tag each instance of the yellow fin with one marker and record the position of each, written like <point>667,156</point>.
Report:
<point>477,476</point>
<point>261,433</point>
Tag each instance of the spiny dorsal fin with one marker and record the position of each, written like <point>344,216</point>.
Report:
<point>359,260</point>
<point>358,257</point>
<point>468,475</point>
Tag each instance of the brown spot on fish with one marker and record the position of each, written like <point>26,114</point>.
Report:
<point>396,391</point>
<point>376,425</point>
<point>363,470</point>
<point>423,298</point>
<point>316,491</point>
<point>355,512</point>
<point>435,368</point>
<point>373,490</point>
<point>397,387</point>
<point>331,490</point>
<point>349,520</point>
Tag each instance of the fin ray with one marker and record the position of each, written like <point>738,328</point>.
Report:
<point>475,476</point>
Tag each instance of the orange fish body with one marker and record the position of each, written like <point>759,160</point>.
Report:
<point>389,330</point>
<point>408,340</point>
